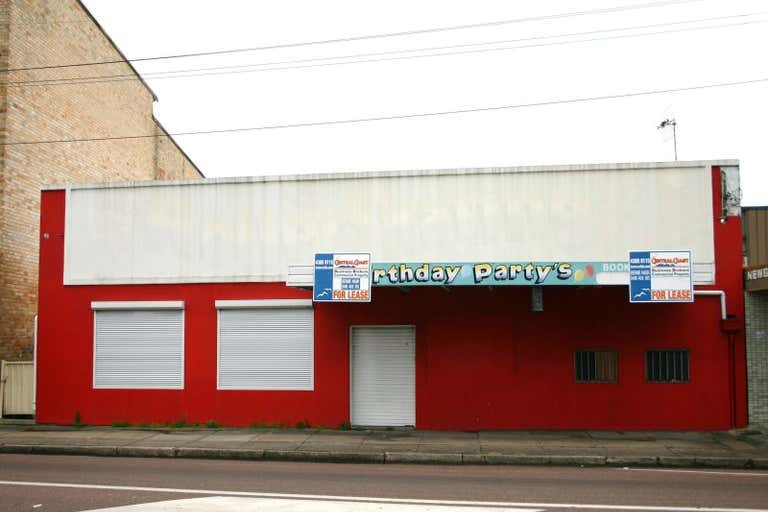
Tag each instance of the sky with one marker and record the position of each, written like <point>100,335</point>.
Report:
<point>539,52</point>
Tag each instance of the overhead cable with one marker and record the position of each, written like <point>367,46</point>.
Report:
<point>287,65</point>
<point>607,10</point>
<point>309,124</point>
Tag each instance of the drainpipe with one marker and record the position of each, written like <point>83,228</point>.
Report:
<point>729,325</point>
<point>721,294</point>
<point>34,372</point>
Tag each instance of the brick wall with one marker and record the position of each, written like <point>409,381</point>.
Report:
<point>756,311</point>
<point>50,32</point>
<point>170,160</point>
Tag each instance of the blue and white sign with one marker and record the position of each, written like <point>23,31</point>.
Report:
<point>342,277</point>
<point>660,276</point>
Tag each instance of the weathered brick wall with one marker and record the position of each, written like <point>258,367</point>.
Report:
<point>756,311</point>
<point>171,162</point>
<point>4,281</point>
<point>54,32</point>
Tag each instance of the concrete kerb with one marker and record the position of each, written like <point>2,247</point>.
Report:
<point>390,457</point>
<point>422,458</point>
<point>319,456</point>
<point>217,453</point>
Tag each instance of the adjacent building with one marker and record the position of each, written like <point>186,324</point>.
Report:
<point>756,286</point>
<point>499,299</point>
<point>40,103</point>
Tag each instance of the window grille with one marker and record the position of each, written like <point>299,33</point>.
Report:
<point>667,366</point>
<point>597,365</point>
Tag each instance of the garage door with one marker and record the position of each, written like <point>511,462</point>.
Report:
<point>383,376</point>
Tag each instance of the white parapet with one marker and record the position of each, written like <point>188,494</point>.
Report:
<point>254,229</point>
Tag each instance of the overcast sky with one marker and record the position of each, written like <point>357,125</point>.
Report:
<point>726,122</point>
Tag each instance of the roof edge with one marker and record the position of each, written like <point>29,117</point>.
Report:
<point>184,153</point>
<point>399,174</point>
<point>117,48</point>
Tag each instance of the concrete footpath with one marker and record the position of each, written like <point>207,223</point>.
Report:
<point>734,449</point>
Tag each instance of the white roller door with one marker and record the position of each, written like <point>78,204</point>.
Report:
<point>138,349</point>
<point>266,347</point>
<point>383,376</point>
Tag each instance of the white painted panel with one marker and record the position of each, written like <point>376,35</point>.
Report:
<point>138,304</point>
<point>306,504</point>
<point>17,387</point>
<point>263,303</point>
<point>140,349</point>
<point>266,348</point>
<point>383,376</point>
<point>252,230</point>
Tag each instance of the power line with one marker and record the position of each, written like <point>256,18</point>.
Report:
<point>400,116</point>
<point>606,10</point>
<point>228,70</point>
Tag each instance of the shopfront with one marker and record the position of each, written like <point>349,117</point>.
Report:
<point>504,298</point>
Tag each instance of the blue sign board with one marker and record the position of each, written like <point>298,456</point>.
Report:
<point>660,276</point>
<point>640,276</point>
<point>323,288</point>
<point>342,277</point>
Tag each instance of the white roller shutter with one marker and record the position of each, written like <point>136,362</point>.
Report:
<point>266,348</point>
<point>383,376</point>
<point>138,349</point>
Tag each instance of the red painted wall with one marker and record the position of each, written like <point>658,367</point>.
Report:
<point>483,359</point>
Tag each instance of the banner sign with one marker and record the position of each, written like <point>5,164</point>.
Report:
<point>492,273</point>
<point>756,279</point>
<point>342,277</point>
<point>660,276</point>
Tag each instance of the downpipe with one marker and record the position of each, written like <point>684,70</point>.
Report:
<point>729,324</point>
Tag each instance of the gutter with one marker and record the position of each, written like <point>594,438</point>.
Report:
<point>715,293</point>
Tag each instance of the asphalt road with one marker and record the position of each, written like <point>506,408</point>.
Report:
<point>26,484</point>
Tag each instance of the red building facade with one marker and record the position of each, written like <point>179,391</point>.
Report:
<point>483,358</point>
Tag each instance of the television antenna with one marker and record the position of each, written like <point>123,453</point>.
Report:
<point>666,124</point>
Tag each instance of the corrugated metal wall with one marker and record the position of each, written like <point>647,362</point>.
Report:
<point>252,230</point>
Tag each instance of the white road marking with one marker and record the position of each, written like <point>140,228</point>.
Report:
<point>227,504</point>
<point>363,499</point>
<point>740,473</point>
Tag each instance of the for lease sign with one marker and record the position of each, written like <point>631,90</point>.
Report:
<point>342,277</point>
<point>660,276</point>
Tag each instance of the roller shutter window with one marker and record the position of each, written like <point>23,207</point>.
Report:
<point>266,347</point>
<point>138,345</point>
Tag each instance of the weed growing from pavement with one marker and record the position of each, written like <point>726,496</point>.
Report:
<point>79,420</point>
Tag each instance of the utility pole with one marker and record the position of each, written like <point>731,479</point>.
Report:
<point>670,122</point>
